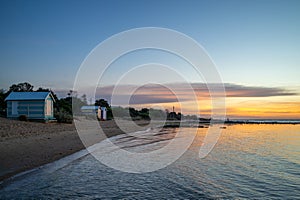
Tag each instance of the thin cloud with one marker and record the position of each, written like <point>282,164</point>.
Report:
<point>154,93</point>
<point>233,90</point>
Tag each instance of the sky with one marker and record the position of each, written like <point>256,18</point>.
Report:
<point>255,45</point>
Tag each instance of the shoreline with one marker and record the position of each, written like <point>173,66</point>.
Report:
<point>28,145</point>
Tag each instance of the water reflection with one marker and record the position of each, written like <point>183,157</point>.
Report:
<point>249,161</point>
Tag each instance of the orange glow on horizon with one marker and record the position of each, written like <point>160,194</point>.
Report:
<point>261,107</point>
<point>251,108</point>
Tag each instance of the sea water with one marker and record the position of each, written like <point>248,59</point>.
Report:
<point>249,161</point>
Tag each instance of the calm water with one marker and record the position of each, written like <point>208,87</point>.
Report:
<point>249,161</point>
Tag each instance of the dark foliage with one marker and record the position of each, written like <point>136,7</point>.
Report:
<point>134,114</point>
<point>23,118</point>
<point>3,95</point>
<point>21,87</point>
<point>63,117</point>
<point>64,108</point>
<point>102,103</point>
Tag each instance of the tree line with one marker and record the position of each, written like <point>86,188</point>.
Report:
<point>64,108</point>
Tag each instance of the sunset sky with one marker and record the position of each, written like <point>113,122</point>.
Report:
<point>254,44</point>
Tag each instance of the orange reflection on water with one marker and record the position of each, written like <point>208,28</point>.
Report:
<point>280,140</point>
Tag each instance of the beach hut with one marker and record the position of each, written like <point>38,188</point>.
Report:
<point>89,110</point>
<point>33,105</point>
<point>95,110</point>
<point>102,113</point>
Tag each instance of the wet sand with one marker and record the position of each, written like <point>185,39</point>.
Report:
<point>26,145</point>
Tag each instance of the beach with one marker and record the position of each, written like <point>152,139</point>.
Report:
<point>26,145</point>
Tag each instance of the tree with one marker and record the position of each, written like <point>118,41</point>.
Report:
<point>40,89</point>
<point>144,113</point>
<point>70,93</point>
<point>65,104</point>
<point>21,87</point>
<point>3,95</point>
<point>157,114</point>
<point>133,112</point>
<point>102,103</point>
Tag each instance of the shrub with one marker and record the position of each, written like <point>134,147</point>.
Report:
<point>23,118</point>
<point>63,117</point>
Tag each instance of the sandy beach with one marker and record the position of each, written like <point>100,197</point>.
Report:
<point>26,145</point>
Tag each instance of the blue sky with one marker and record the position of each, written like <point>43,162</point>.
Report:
<point>254,43</point>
